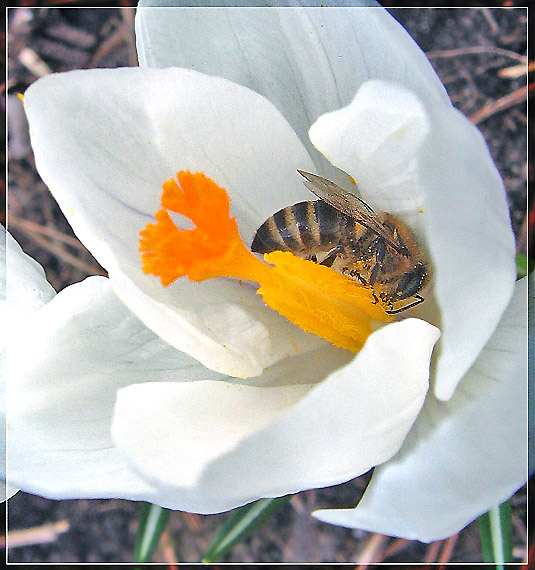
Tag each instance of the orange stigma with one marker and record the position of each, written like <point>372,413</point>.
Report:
<point>312,296</point>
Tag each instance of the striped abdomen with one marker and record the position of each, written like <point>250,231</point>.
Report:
<point>306,229</point>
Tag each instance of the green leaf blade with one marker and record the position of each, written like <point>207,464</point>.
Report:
<point>495,531</point>
<point>241,524</point>
<point>152,522</point>
<point>524,265</point>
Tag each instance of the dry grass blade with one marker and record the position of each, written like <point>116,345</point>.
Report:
<point>476,50</point>
<point>33,62</point>
<point>73,36</point>
<point>396,546</point>
<point>37,535</point>
<point>522,240</point>
<point>432,552</point>
<point>37,232</point>
<point>447,550</point>
<point>487,14</point>
<point>122,34</point>
<point>193,521</point>
<point>516,70</point>
<point>514,98</point>
<point>372,551</point>
<point>128,15</point>
<point>30,226</point>
<point>111,43</point>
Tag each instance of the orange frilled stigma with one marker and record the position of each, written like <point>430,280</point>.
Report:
<point>312,296</point>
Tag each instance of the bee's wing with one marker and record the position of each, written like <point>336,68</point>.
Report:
<point>349,204</point>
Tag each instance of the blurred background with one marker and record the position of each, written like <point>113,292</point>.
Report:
<point>481,57</point>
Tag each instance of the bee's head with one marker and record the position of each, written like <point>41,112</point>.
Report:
<point>412,282</point>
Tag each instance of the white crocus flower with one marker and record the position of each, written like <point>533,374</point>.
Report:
<point>140,398</point>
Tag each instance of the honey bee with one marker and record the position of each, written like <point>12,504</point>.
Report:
<point>341,231</point>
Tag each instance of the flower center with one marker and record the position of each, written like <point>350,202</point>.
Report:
<point>312,296</point>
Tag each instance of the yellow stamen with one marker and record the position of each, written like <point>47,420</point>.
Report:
<point>312,296</point>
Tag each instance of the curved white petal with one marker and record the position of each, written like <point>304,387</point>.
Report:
<point>307,61</point>
<point>224,445</point>
<point>470,240</point>
<point>7,491</point>
<point>376,140</point>
<point>106,140</point>
<point>431,167</point>
<point>85,345</point>
<point>23,290</point>
<point>531,366</point>
<point>463,456</point>
<point>23,282</point>
<point>258,3</point>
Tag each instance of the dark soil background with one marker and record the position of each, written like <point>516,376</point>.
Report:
<point>480,55</point>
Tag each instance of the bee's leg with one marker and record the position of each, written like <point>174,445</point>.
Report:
<point>380,249</point>
<point>359,277</point>
<point>363,281</point>
<point>419,299</point>
<point>375,298</point>
<point>331,257</point>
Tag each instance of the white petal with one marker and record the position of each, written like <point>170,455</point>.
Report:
<point>463,456</point>
<point>470,240</point>
<point>531,366</point>
<point>23,290</point>
<point>23,282</point>
<point>306,61</point>
<point>7,491</point>
<point>431,167</point>
<point>376,140</point>
<point>106,140</point>
<point>85,345</point>
<point>226,327</point>
<point>223,445</point>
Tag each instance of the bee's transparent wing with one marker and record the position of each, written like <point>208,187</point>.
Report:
<point>348,204</point>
